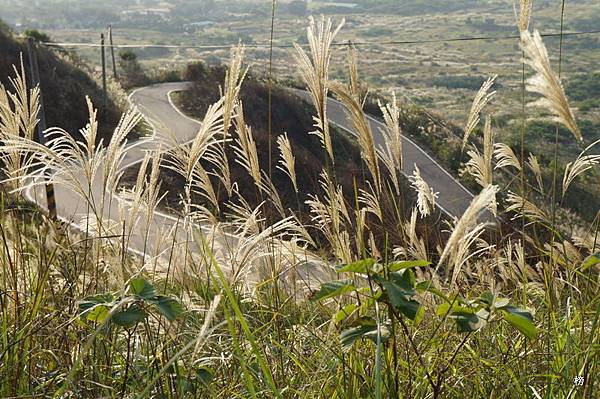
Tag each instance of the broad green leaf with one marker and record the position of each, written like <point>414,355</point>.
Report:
<point>332,289</point>
<point>90,301</point>
<point>411,309</point>
<point>384,330</point>
<point>129,317</point>
<point>522,320</point>
<point>168,307</point>
<point>420,314</point>
<point>98,314</point>
<point>487,297</point>
<point>344,312</point>
<point>405,279</point>
<point>364,321</point>
<point>501,303</point>
<point>400,299</point>
<point>142,288</point>
<point>362,266</point>
<point>493,300</point>
<point>96,308</point>
<point>407,264</point>
<point>204,374</point>
<point>350,335</point>
<point>590,261</point>
<point>520,312</point>
<point>469,322</point>
<point>445,308</point>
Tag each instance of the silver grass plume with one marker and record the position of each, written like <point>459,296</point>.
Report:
<point>546,83</point>
<point>350,95</point>
<point>582,164</point>
<point>18,118</point>
<point>535,167</point>
<point>482,97</point>
<point>245,147</point>
<point>524,14</point>
<point>505,157</point>
<point>287,163</point>
<point>391,154</point>
<point>426,197</point>
<point>525,208</point>
<point>485,200</point>
<point>315,72</point>
<point>480,165</point>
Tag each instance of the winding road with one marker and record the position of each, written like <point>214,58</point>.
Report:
<point>155,104</point>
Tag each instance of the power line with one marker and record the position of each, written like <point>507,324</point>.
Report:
<point>337,44</point>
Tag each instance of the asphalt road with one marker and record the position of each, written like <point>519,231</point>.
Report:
<point>453,197</point>
<point>153,101</point>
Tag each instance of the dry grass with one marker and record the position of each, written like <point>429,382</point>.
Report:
<point>214,305</point>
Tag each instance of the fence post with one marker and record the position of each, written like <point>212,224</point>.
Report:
<point>103,70</point>
<point>41,126</point>
<point>112,51</point>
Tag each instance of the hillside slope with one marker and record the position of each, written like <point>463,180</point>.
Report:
<point>64,85</point>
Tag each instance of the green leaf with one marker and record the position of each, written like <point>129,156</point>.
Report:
<point>129,317</point>
<point>332,289</point>
<point>405,279</point>
<point>98,314</point>
<point>168,307</point>
<point>468,321</point>
<point>344,312</point>
<point>445,308</point>
<point>384,330</point>
<point>407,264</point>
<point>521,319</point>
<point>142,288</point>
<point>350,335</point>
<point>90,301</point>
<point>96,308</point>
<point>487,297</point>
<point>400,299</point>
<point>204,374</point>
<point>362,266</point>
<point>590,261</point>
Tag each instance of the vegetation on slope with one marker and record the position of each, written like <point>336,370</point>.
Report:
<point>215,314</point>
<point>291,117</point>
<point>64,85</point>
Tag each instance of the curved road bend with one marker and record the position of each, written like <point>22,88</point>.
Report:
<point>153,101</point>
<point>454,198</point>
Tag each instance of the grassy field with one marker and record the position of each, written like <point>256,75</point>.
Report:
<point>323,304</point>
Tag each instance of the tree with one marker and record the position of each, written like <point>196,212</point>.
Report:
<point>133,73</point>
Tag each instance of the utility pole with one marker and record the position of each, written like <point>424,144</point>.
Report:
<point>41,126</point>
<point>112,51</point>
<point>103,70</point>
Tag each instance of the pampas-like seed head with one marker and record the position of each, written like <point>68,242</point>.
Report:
<point>546,82</point>
<point>426,197</point>
<point>315,72</point>
<point>524,14</point>
<point>480,165</point>
<point>468,221</point>
<point>391,154</point>
<point>287,163</point>
<point>582,164</point>
<point>482,97</point>
<point>505,156</point>
<point>535,167</point>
